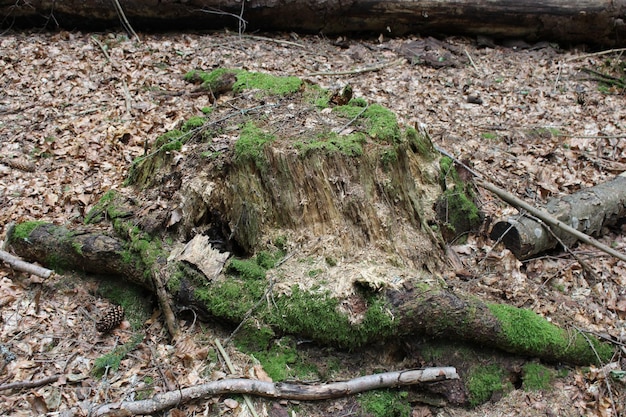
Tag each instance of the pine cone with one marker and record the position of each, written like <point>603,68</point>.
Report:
<point>111,319</point>
<point>20,163</point>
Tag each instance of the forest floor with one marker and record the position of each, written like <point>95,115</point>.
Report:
<point>77,108</point>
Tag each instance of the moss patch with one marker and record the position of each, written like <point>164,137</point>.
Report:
<point>249,147</point>
<point>111,361</point>
<point>23,230</point>
<point>380,123</point>
<point>270,83</point>
<point>528,332</point>
<point>536,377</point>
<point>385,403</point>
<point>137,306</point>
<point>483,381</point>
<point>456,209</point>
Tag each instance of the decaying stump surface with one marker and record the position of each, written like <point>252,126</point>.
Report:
<point>587,211</point>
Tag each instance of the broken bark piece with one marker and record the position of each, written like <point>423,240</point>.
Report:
<point>587,211</point>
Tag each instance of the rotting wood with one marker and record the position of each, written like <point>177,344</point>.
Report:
<point>285,391</point>
<point>588,211</point>
<point>596,21</point>
<point>539,214</point>
<point>432,312</point>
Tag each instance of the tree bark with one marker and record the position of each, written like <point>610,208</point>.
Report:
<point>432,312</point>
<point>587,211</point>
<point>597,22</point>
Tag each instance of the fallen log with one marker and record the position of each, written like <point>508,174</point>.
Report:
<point>433,312</point>
<point>588,211</point>
<point>598,22</point>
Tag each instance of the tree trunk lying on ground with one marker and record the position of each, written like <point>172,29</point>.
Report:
<point>432,312</point>
<point>597,21</point>
<point>587,211</point>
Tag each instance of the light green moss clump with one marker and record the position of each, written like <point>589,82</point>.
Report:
<point>252,140</point>
<point>483,381</point>
<point>330,143</point>
<point>193,123</point>
<point>386,403</point>
<point>527,332</point>
<point>23,230</point>
<point>536,377</point>
<point>270,83</point>
<point>380,123</point>
<point>111,361</point>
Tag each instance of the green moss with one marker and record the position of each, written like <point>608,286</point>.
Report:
<point>527,332</point>
<point>111,361</point>
<point>455,208</point>
<point>23,230</point>
<point>270,83</point>
<point>380,123</point>
<point>193,123</point>
<point>247,269</point>
<point>330,143</point>
<point>483,381</point>
<point>358,102</point>
<point>249,147</point>
<point>536,377</point>
<point>421,144</point>
<point>315,315</point>
<point>166,139</point>
<point>388,158</point>
<point>207,110</point>
<point>211,81</point>
<point>279,358</point>
<point>386,403</point>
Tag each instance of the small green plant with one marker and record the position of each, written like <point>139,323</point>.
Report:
<point>489,135</point>
<point>207,110</point>
<point>111,361</point>
<point>385,403</point>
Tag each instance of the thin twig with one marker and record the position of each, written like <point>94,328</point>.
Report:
<point>20,265</point>
<point>358,70</point>
<point>125,23</point>
<point>102,47</point>
<point>30,384</point>
<point>341,129</point>
<point>606,52</point>
<point>231,368</point>
<point>472,61</point>
<point>279,41</point>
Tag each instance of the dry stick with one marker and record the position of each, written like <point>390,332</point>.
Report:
<point>102,47</point>
<point>472,61</point>
<point>359,70</point>
<point>30,384</point>
<point>285,391</point>
<point>168,314</point>
<point>125,23</point>
<point>608,51</point>
<point>231,368</point>
<point>20,265</point>
<point>278,41</point>
<point>547,218</point>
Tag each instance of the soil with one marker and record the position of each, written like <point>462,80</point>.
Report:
<point>77,108</point>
